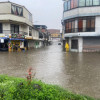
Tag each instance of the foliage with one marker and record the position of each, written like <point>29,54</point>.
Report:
<point>12,88</point>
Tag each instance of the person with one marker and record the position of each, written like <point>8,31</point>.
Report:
<point>67,47</point>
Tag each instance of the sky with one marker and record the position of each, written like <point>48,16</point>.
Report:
<point>45,12</point>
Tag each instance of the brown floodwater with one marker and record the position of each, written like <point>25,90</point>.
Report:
<point>78,72</point>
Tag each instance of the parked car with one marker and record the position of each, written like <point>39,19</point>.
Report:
<point>59,43</point>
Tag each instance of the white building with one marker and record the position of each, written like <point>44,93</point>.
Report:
<point>16,19</point>
<point>81,24</point>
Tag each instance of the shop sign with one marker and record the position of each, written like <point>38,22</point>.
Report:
<point>18,36</point>
<point>1,40</point>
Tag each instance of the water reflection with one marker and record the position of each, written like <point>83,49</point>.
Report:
<point>79,72</point>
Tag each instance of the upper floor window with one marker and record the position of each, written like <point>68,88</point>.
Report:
<point>81,3</point>
<point>65,6</point>
<point>88,2</point>
<point>70,4</point>
<point>30,17</point>
<point>14,29</point>
<point>16,10</point>
<point>85,24</point>
<point>95,2</point>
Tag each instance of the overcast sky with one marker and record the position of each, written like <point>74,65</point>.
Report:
<point>45,12</point>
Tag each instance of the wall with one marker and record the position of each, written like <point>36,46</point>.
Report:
<point>35,34</point>
<point>6,28</point>
<point>80,44</point>
<point>5,8</point>
<point>83,11</point>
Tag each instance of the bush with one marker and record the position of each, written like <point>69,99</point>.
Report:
<point>12,88</point>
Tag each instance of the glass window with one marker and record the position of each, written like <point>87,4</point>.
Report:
<point>84,25</point>
<point>0,27</point>
<point>14,28</point>
<point>65,6</point>
<point>92,23</point>
<point>80,25</point>
<point>95,2</point>
<point>73,26</point>
<point>75,3</point>
<point>69,5</point>
<point>16,10</point>
<point>69,27</point>
<point>66,27</point>
<point>81,3</point>
<point>72,4</point>
<point>88,2</point>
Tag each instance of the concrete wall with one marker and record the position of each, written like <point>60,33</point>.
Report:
<point>35,34</point>
<point>83,11</point>
<point>5,8</point>
<point>80,44</point>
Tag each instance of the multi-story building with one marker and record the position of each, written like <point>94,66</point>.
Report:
<point>16,27</point>
<point>55,33</point>
<point>81,24</point>
<point>43,33</point>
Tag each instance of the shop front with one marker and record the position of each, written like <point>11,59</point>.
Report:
<point>17,43</point>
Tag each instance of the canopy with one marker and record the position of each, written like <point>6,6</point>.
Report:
<point>17,39</point>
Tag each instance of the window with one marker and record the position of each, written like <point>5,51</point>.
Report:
<point>95,2</point>
<point>69,27</point>
<point>30,31</point>
<point>73,26</point>
<point>30,17</point>
<point>75,3</point>
<point>69,5</point>
<point>0,27</point>
<point>72,4</point>
<point>65,6</point>
<point>90,25</point>
<point>14,28</point>
<point>80,25</point>
<point>84,25</point>
<point>93,24</point>
<point>16,10</point>
<point>88,2</point>
<point>74,44</point>
<point>81,3</point>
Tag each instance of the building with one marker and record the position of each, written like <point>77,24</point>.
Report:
<point>81,25</point>
<point>44,35</point>
<point>55,33</point>
<point>16,27</point>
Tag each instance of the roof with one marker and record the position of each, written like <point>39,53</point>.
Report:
<point>40,26</point>
<point>17,39</point>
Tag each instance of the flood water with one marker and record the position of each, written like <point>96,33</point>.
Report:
<point>78,72</point>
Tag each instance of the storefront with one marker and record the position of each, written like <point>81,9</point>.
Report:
<point>17,43</point>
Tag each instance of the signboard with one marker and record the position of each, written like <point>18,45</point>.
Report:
<point>18,36</point>
<point>2,41</point>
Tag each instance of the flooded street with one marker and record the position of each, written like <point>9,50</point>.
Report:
<point>79,72</point>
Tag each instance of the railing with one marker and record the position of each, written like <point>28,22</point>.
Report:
<point>7,32</point>
<point>75,30</point>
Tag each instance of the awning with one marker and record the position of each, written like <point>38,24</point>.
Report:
<point>17,39</point>
<point>4,38</point>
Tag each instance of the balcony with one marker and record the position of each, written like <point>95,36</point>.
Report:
<point>10,33</point>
